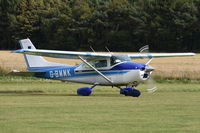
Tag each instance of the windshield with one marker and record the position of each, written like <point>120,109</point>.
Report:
<point>119,58</point>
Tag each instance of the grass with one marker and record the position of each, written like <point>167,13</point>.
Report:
<point>35,105</point>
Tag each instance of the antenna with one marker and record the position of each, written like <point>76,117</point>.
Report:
<point>92,49</point>
<point>108,49</point>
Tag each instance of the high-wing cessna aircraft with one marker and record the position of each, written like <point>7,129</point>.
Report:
<point>107,69</point>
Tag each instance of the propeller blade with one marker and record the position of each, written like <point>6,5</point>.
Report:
<point>144,49</point>
<point>151,85</point>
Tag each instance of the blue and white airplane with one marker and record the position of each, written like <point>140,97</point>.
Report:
<point>105,69</point>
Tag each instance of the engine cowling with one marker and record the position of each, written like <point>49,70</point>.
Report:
<point>130,92</point>
<point>85,91</point>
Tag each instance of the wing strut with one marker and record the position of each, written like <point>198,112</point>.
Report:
<point>106,78</point>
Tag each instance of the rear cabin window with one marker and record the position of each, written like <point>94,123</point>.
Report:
<point>100,63</point>
<point>97,63</point>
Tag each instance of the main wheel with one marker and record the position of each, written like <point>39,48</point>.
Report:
<point>85,91</point>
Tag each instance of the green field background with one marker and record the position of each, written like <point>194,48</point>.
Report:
<point>29,105</point>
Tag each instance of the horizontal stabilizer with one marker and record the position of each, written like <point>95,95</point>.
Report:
<point>23,73</point>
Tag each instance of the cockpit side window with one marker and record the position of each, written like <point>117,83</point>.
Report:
<point>100,63</point>
<point>97,63</point>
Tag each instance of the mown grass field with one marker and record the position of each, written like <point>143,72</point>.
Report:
<point>41,106</point>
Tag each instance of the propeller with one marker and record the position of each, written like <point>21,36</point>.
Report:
<point>151,87</point>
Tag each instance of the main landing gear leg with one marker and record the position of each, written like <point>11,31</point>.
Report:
<point>85,91</point>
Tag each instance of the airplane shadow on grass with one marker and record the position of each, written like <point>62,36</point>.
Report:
<point>44,93</point>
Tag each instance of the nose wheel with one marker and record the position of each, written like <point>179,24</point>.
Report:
<point>130,92</point>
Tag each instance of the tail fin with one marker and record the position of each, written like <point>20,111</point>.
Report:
<point>34,62</point>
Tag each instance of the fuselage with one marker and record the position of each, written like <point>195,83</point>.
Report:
<point>122,73</point>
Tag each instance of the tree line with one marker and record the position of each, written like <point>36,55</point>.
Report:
<point>120,25</point>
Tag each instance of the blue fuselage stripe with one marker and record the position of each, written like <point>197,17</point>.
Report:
<point>95,73</point>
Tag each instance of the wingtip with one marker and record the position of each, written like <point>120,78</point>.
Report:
<point>17,51</point>
<point>192,54</point>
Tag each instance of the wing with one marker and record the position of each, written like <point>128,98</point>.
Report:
<point>62,54</point>
<point>75,55</point>
<point>153,55</point>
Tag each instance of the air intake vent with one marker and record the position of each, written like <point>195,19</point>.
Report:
<point>145,75</point>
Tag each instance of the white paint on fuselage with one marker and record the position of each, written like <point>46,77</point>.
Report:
<point>129,76</point>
